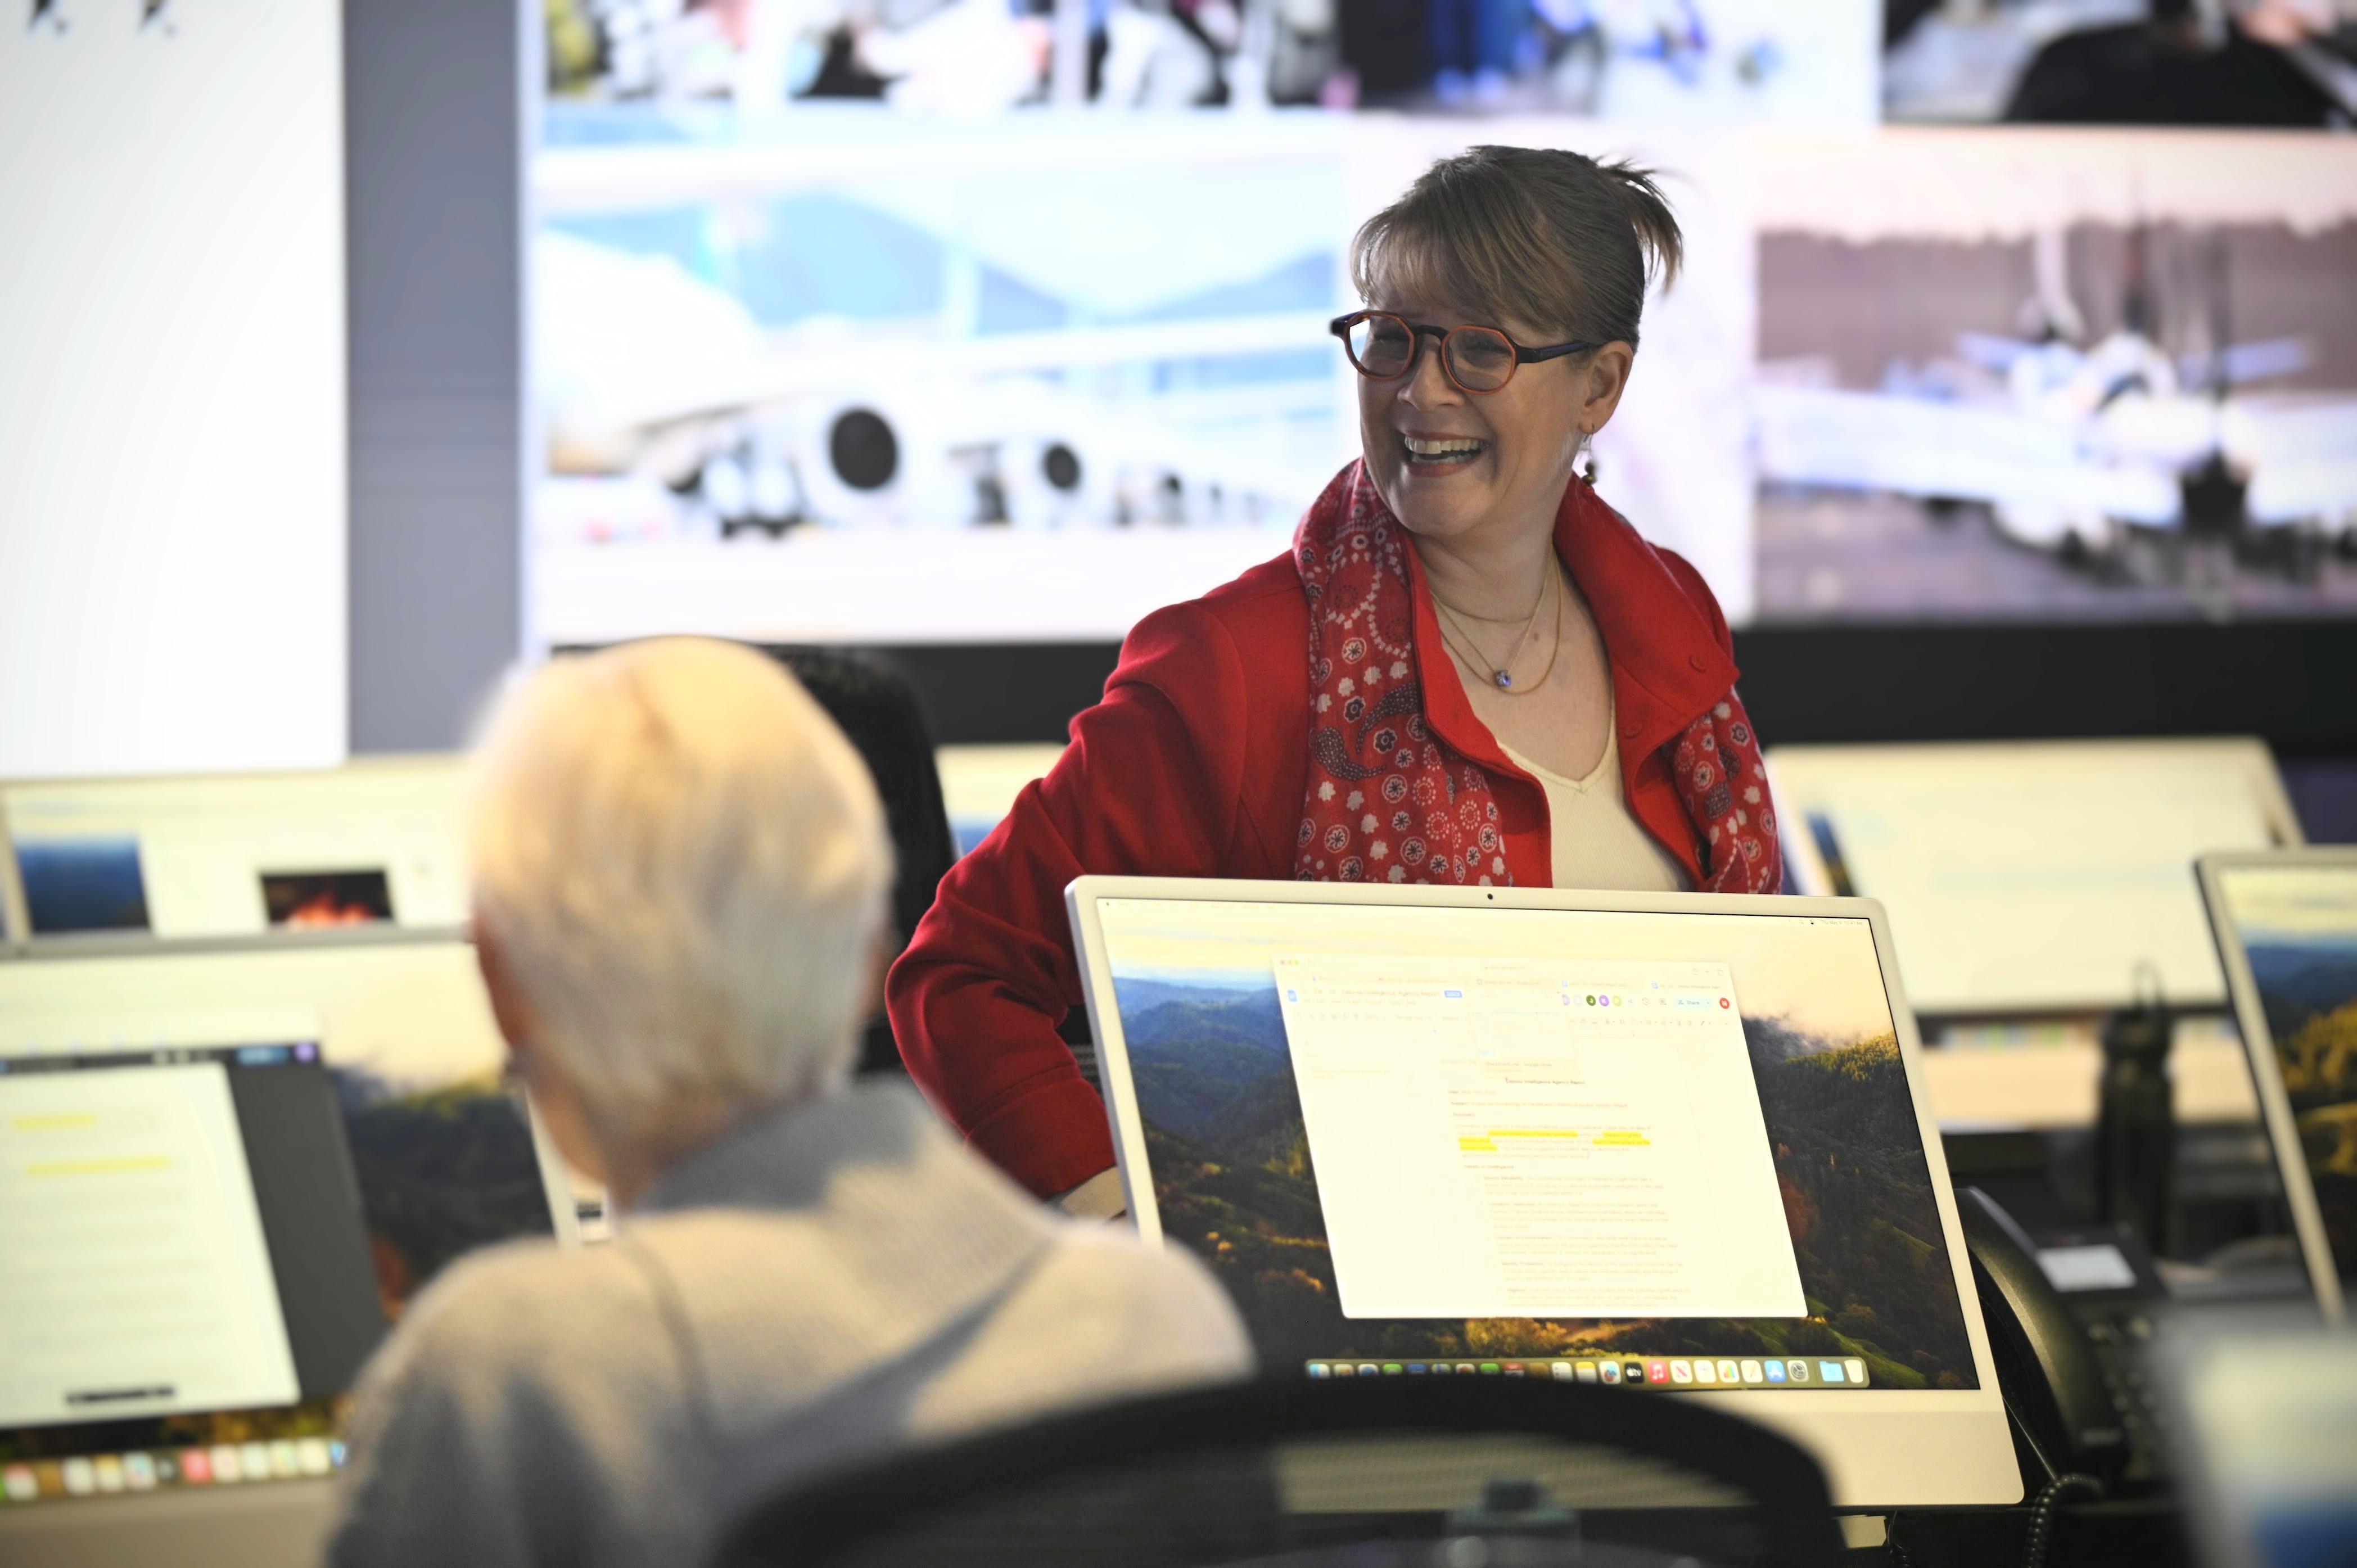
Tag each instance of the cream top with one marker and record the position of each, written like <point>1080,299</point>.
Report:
<point>1596,842</point>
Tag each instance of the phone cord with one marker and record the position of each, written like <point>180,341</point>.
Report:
<point>2042,1511</point>
<point>2042,1522</point>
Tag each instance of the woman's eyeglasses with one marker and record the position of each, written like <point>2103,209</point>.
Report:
<point>1476,359</point>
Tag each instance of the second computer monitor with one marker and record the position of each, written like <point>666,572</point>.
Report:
<point>227,1168</point>
<point>374,843</point>
<point>2033,876</point>
<point>2286,930</point>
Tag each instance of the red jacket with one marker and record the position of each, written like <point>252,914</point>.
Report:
<point>1195,765</point>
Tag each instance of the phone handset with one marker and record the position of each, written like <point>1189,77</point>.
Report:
<point>2052,1385</point>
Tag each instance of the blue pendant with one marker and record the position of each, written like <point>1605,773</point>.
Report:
<point>1505,681</point>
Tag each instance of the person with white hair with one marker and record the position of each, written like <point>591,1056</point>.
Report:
<point>681,870</point>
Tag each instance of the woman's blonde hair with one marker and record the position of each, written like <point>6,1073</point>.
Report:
<point>1534,234</point>
<point>685,867</point>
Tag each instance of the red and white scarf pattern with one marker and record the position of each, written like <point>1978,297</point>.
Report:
<point>1387,801</point>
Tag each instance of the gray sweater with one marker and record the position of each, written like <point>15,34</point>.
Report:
<point>821,1286</point>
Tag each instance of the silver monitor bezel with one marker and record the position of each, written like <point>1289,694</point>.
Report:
<point>2259,1051</point>
<point>1891,1448</point>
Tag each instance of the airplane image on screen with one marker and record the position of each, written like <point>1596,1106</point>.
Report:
<point>2077,444</point>
<point>848,424</point>
<point>856,325</point>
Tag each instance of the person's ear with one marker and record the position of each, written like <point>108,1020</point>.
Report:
<point>561,1110</point>
<point>1602,382</point>
<point>509,1011</point>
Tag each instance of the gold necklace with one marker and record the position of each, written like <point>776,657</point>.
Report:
<point>1501,674</point>
<point>1473,662</point>
<point>1555,646</point>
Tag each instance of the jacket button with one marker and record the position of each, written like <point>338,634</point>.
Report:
<point>1697,660</point>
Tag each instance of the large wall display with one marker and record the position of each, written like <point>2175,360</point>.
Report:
<point>957,366</point>
<point>172,400</point>
<point>846,374</point>
<point>913,322</point>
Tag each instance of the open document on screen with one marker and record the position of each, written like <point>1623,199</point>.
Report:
<point>408,1062</point>
<point>137,1281</point>
<point>1513,1137</point>
<point>1332,1174</point>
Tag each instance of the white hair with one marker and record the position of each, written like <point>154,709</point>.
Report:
<point>685,867</point>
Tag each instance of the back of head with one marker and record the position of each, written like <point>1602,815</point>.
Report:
<point>685,867</point>
<point>880,715</point>
<point>1551,237</point>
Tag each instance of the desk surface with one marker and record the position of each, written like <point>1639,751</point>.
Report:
<point>282,1524</point>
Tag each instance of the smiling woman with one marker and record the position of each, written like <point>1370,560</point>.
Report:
<point>1468,668</point>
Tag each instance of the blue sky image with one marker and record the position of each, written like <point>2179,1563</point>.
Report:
<point>1046,248</point>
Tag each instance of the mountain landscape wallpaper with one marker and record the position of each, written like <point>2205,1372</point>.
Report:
<point>1233,1180</point>
<point>2309,989</point>
<point>443,1170</point>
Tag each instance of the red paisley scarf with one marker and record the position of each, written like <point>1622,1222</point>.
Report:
<point>1387,801</point>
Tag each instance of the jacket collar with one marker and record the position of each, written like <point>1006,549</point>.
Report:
<point>789,1158</point>
<point>1668,667</point>
<point>813,1245</point>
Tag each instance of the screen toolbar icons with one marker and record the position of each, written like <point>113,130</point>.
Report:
<point>1689,1372</point>
<point>81,1476</point>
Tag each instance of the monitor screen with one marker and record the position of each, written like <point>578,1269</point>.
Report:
<point>180,1235</point>
<point>2023,876</point>
<point>2296,923</point>
<point>979,784</point>
<point>1669,1151</point>
<point>1970,374</point>
<point>372,843</point>
<point>1678,1150</point>
<point>1810,61</point>
<point>2119,62</point>
<point>1049,287</point>
<point>2029,375</point>
<point>327,1118</point>
<point>2263,1456</point>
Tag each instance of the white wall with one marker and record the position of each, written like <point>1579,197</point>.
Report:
<point>172,402</point>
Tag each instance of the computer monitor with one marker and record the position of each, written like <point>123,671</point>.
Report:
<point>1675,1143</point>
<point>374,842</point>
<point>224,1169</point>
<point>979,784</point>
<point>2033,876</point>
<point>2258,1404</point>
<point>2287,928</point>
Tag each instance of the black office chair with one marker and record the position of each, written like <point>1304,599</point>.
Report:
<point>877,710</point>
<point>1473,1473</point>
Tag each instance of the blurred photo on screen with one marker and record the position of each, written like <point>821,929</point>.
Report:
<point>2070,376</point>
<point>1802,60</point>
<point>2142,63</point>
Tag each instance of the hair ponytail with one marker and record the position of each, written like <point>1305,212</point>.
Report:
<point>1662,243</point>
